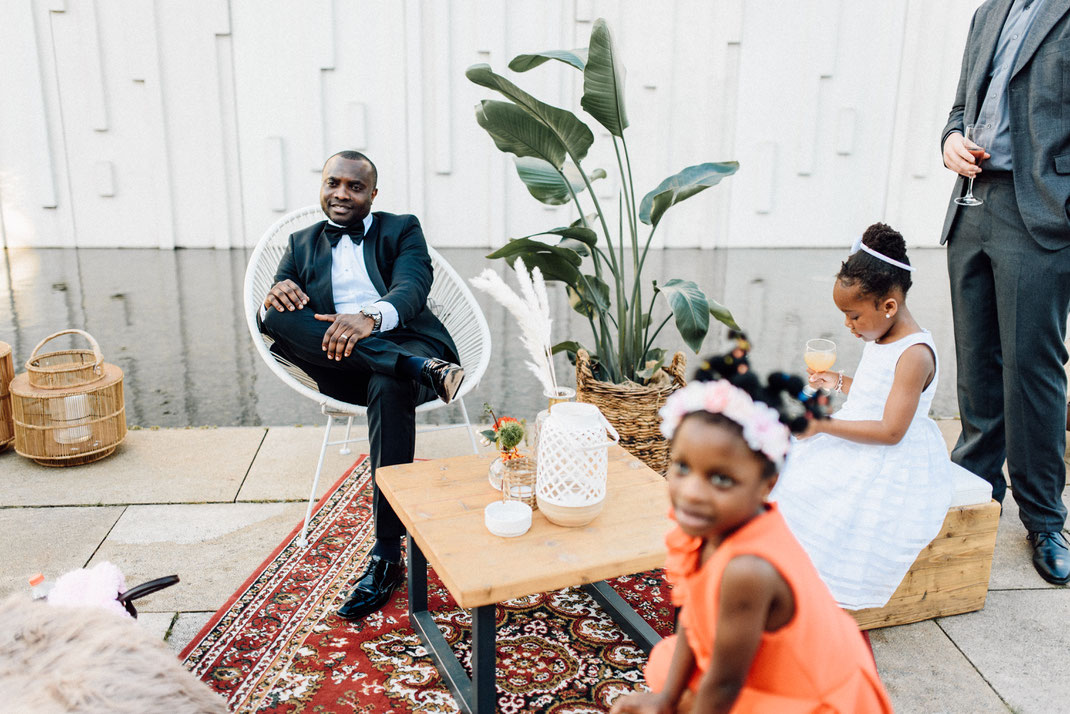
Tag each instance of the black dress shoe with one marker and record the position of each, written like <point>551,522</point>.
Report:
<point>1051,556</point>
<point>373,589</point>
<point>445,377</point>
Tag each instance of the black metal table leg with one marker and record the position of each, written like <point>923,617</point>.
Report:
<point>484,658</point>
<point>478,693</point>
<point>417,576</point>
<point>622,613</point>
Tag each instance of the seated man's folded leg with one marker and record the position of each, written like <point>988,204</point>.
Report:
<point>300,336</point>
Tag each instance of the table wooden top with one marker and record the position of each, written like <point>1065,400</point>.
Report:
<point>441,503</point>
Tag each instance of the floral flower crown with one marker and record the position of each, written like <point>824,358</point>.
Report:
<point>762,428</point>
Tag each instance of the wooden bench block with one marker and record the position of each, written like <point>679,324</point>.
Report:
<point>949,576</point>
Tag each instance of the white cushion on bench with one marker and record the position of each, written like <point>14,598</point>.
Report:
<point>970,489</point>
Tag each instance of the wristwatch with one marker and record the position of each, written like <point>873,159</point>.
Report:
<point>375,314</point>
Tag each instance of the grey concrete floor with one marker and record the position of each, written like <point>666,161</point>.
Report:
<point>211,503</point>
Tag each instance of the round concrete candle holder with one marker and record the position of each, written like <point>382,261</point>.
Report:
<point>507,519</point>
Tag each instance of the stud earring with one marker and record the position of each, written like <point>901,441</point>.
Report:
<point>887,315</point>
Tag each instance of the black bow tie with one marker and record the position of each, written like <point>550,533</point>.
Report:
<point>335,233</point>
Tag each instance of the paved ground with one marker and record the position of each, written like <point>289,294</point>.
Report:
<point>210,504</point>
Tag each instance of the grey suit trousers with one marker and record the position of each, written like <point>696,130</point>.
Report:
<point>1010,299</point>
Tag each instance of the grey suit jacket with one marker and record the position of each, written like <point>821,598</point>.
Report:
<point>1039,115</point>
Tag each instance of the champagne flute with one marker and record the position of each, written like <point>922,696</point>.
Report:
<point>820,355</point>
<point>976,134</point>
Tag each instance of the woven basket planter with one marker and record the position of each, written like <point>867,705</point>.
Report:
<point>632,409</point>
<point>7,373</point>
<point>68,406</point>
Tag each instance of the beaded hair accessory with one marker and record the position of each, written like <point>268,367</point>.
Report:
<point>762,429</point>
<point>859,245</point>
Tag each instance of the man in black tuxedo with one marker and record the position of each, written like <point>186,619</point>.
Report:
<point>366,336</point>
<point>1009,261</point>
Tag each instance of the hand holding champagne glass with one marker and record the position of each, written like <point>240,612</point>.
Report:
<point>977,136</point>
<point>820,355</point>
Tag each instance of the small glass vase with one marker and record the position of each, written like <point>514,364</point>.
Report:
<point>494,473</point>
<point>563,394</point>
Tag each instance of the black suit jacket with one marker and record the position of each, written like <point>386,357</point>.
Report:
<point>1039,110</point>
<point>395,255</point>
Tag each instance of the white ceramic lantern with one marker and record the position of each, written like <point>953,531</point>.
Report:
<point>572,463</point>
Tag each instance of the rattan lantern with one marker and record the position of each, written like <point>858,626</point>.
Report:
<point>572,465</point>
<point>7,373</point>
<point>68,405</point>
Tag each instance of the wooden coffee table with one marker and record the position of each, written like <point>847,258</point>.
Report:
<point>441,504</point>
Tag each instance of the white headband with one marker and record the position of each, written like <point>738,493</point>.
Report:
<point>859,245</point>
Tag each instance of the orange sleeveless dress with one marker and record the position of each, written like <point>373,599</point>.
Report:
<point>818,662</point>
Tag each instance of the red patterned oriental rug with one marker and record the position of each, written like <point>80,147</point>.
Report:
<point>277,645</point>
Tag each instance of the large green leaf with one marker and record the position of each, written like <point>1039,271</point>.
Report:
<point>573,244</point>
<point>682,185</point>
<point>690,308</point>
<point>573,133</point>
<point>545,182</point>
<point>555,262</point>
<point>577,58</point>
<point>515,131</point>
<point>554,266</point>
<point>589,302</point>
<point>603,82</point>
<point>524,246</point>
<point>575,232</point>
<point>567,346</point>
<point>722,313</point>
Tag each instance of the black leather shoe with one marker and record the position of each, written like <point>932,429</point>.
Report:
<point>444,376</point>
<point>373,589</point>
<point>1051,556</point>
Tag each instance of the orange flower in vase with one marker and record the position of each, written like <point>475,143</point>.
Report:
<point>507,434</point>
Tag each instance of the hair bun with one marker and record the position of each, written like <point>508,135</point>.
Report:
<point>872,275</point>
<point>884,239</point>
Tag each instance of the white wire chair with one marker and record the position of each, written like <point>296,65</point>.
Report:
<point>450,300</point>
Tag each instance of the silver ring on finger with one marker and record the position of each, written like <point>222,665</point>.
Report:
<point>343,337</point>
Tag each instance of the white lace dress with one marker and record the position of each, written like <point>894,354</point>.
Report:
<point>862,511</point>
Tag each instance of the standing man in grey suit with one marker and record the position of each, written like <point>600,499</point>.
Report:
<point>1009,261</point>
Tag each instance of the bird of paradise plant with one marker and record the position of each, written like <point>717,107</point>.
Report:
<point>549,145</point>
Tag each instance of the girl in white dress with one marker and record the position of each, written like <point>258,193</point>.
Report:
<point>866,490</point>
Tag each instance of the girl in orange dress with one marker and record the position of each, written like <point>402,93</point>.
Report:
<point>758,631</point>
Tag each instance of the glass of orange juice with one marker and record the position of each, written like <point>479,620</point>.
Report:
<point>820,354</point>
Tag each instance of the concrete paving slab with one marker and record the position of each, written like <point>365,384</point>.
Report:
<point>286,462</point>
<point>150,466</point>
<point>50,541</point>
<point>213,548</point>
<point>156,623</point>
<point>1012,563</point>
<point>186,628</point>
<point>924,672</point>
<point>449,442</point>
<point>1018,643</point>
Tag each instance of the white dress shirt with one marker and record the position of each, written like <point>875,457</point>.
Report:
<point>351,284</point>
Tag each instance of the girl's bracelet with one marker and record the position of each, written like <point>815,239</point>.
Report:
<point>839,383</point>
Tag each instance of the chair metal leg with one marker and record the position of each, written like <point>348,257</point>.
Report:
<point>345,450</point>
<point>303,540</point>
<point>468,427</point>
